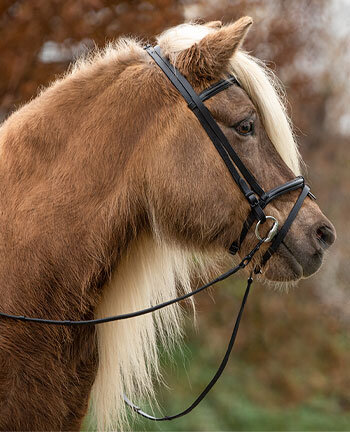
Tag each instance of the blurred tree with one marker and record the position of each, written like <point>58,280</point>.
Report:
<point>39,38</point>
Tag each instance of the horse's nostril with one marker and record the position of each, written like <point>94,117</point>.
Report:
<point>325,236</point>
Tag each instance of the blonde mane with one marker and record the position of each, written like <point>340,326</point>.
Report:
<point>153,271</point>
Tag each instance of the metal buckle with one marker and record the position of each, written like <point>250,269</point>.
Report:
<point>272,232</point>
<point>252,199</point>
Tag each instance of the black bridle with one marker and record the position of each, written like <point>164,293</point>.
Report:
<point>253,192</point>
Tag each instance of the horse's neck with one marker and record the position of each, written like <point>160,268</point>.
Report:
<point>54,257</point>
<point>65,206</point>
<point>58,243</point>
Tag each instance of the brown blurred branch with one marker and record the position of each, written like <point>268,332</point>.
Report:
<point>27,24</point>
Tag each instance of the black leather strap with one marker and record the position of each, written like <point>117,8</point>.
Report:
<point>218,87</point>
<point>214,132</point>
<point>294,184</point>
<point>248,185</point>
<point>215,378</point>
<point>285,228</point>
<point>217,375</point>
<point>199,110</point>
<point>245,261</point>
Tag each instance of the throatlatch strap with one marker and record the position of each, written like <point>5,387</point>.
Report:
<point>215,377</point>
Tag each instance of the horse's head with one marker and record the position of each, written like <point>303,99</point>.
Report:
<point>191,195</point>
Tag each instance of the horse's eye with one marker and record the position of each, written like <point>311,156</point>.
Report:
<point>245,127</point>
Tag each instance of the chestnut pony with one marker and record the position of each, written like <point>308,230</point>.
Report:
<point>113,199</point>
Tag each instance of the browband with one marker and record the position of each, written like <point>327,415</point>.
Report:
<point>218,87</point>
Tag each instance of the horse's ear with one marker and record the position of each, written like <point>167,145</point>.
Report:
<point>209,58</point>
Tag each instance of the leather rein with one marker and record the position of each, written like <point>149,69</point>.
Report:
<point>254,194</point>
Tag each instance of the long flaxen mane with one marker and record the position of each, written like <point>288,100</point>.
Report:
<point>153,270</point>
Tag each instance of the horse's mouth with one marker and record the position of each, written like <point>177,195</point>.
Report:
<point>291,264</point>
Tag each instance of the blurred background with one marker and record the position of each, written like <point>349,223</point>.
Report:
<point>290,369</point>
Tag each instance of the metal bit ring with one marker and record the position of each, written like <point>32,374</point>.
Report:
<point>271,234</point>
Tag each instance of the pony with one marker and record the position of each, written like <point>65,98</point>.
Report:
<point>114,199</point>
